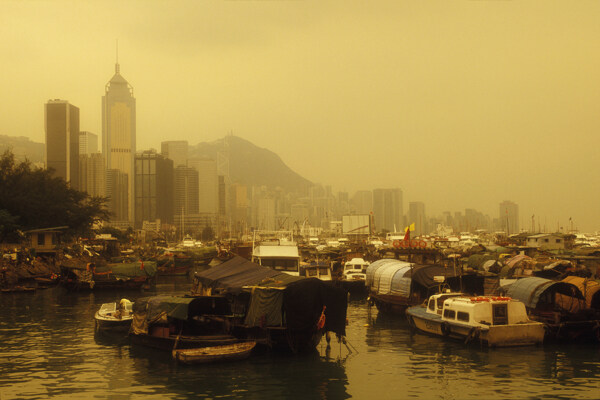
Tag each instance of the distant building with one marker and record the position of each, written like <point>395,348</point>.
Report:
<point>153,188</point>
<point>118,139</point>
<point>117,183</point>
<point>92,174</point>
<point>62,140</point>
<point>546,241</point>
<point>416,215</point>
<point>88,143</point>
<point>186,190</point>
<point>176,150</point>
<point>387,210</point>
<point>509,217</point>
<point>362,202</point>
<point>208,185</point>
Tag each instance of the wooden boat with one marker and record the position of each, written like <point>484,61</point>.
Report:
<point>114,317</point>
<point>232,352</point>
<point>495,321</point>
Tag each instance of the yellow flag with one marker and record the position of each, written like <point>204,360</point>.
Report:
<point>412,227</point>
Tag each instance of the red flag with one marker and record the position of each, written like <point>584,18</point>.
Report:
<point>407,234</point>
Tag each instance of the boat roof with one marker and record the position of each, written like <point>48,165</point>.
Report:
<point>530,289</point>
<point>276,251</point>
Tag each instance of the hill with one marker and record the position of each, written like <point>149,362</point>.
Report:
<point>23,148</point>
<point>251,165</point>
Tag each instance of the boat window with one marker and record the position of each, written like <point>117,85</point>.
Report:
<point>432,305</point>
<point>312,272</point>
<point>280,265</point>
<point>40,239</point>
<point>462,316</point>
<point>450,314</point>
<point>323,271</point>
<point>499,314</point>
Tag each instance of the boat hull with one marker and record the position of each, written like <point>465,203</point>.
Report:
<point>233,352</point>
<point>525,334</point>
<point>171,342</point>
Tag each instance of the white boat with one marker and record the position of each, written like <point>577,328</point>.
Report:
<point>188,241</point>
<point>354,275</point>
<point>280,253</point>
<point>318,270</point>
<point>495,321</point>
<point>114,316</point>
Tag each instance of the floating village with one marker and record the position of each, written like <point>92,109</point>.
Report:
<point>281,291</point>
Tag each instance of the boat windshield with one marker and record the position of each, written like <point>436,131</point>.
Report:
<point>280,264</point>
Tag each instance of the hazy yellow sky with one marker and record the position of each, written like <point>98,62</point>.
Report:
<point>462,104</point>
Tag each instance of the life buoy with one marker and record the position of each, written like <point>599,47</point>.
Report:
<point>422,244</point>
<point>396,243</point>
<point>445,327</point>
<point>414,243</point>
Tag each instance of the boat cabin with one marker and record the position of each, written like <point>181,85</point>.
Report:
<point>356,265</point>
<point>284,258</point>
<point>319,270</point>
<point>478,311</point>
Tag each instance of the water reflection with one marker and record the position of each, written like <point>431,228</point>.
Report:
<point>49,348</point>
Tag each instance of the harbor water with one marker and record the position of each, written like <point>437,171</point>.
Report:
<point>49,349</point>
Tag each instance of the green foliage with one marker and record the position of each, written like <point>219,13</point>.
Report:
<point>208,234</point>
<point>32,198</point>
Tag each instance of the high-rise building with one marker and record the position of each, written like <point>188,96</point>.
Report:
<point>62,140</point>
<point>92,174</point>
<point>509,217</point>
<point>362,202</point>
<point>153,188</point>
<point>118,135</point>
<point>416,215</point>
<point>208,185</point>
<point>186,191</point>
<point>117,183</point>
<point>387,210</point>
<point>88,143</point>
<point>176,150</point>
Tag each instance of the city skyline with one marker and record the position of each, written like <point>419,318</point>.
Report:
<point>462,108</point>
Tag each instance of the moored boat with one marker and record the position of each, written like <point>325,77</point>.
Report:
<point>232,352</point>
<point>114,316</point>
<point>354,275</point>
<point>492,320</point>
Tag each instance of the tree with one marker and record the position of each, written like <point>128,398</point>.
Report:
<point>32,198</point>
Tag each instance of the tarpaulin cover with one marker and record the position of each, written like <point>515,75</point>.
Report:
<point>131,270</point>
<point>181,307</point>
<point>372,269</point>
<point>234,274</point>
<point>529,290</point>
<point>265,308</point>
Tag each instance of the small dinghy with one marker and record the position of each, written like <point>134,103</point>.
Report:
<point>114,316</point>
<point>202,355</point>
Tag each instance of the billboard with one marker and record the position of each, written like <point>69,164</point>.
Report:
<point>356,224</point>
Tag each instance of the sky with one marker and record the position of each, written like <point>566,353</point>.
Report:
<point>461,104</point>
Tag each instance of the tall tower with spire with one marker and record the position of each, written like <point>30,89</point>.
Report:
<point>118,146</point>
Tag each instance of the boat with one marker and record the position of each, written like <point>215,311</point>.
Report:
<point>280,254</point>
<point>319,270</point>
<point>492,320</point>
<point>395,285</point>
<point>183,322</point>
<point>112,276</point>
<point>354,275</point>
<point>560,306</point>
<point>114,316</point>
<point>277,310</point>
<point>231,352</point>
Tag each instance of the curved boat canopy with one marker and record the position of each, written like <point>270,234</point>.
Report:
<point>534,292</point>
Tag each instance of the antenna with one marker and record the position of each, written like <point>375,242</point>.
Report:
<point>117,68</point>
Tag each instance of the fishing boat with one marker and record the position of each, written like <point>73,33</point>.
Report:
<point>114,316</point>
<point>492,320</point>
<point>232,352</point>
<point>354,275</point>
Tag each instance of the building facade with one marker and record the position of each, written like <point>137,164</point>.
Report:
<point>92,174</point>
<point>176,150</point>
<point>119,136</point>
<point>62,140</point>
<point>88,143</point>
<point>387,210</point>
<point>509,217</point>
<point>153,188</point>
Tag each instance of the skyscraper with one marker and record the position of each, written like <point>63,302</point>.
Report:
<point>176,150</point>
<point>387,210</point>
<point>416,215</point>
<point>153,188</point>
<point>88,143</point>
<point>61,121</point>
<point>118,136</point>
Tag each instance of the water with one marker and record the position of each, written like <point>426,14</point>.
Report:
<point>48,349</point>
